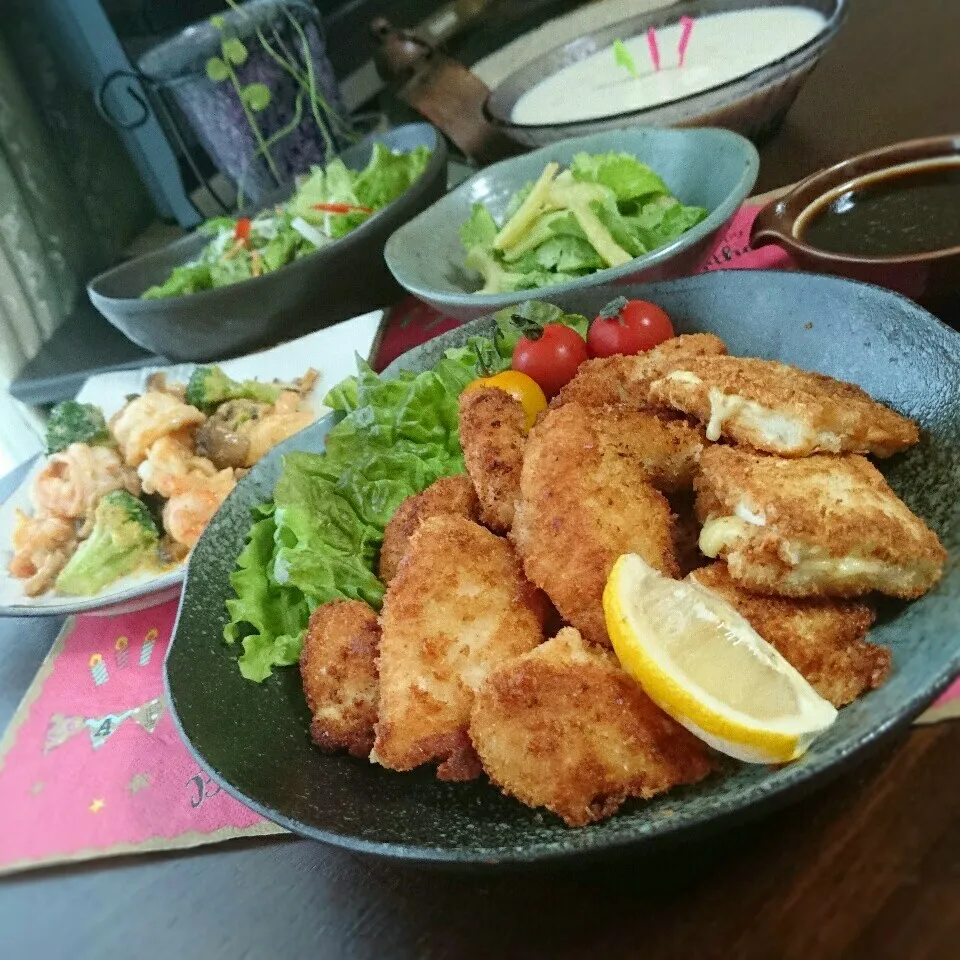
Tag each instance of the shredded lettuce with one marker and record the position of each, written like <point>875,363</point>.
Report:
<point>320,535</point>
<point>605,210</point>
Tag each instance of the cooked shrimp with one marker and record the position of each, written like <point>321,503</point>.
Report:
<point>171,468</point>
<point>146,419</point>
<point>186,515</point>
<point>285,419</point>
<point>74,480</point>
<point>41,548</point>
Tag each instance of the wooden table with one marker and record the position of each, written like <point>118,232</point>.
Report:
<point>869,867</point>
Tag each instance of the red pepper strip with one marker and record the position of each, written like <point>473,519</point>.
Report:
<point>241,231</point>
<point>341,208</point>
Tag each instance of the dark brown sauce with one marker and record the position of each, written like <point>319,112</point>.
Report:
<point>903,212</point>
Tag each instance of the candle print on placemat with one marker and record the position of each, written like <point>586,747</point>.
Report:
<point>92,764</point>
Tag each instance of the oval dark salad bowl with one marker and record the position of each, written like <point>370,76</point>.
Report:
<point>326,286</point>
<point>253,738</point>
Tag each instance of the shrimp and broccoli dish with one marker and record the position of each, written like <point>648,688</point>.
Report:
<point>134,493</point>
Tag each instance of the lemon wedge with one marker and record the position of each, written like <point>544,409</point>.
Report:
<point>701,662</point>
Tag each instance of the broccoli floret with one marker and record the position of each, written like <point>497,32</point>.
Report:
<point>124,537</point>
<point>208,387</point>
<point>72,422</point>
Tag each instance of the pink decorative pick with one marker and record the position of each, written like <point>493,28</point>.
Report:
<point>654,49</point>
<point>686,28</point>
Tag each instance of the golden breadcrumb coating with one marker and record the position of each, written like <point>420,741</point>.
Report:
<point>581,509</point>
<point>627,379</point>
<point>564,727</point>
<point>458,606</point>
<point>779,409</point>
<point>338,666</point>
<point>819,526</point>
<point>448,495</point>
<point>493,431</point>
<point>823,638</point>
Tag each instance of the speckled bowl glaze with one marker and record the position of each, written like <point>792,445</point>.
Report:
<point>715,169</point>
<point>753,106</point>
<point>253,739</point>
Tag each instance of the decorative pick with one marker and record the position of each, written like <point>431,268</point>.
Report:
<point>686,28</point>
<point>654,49</point>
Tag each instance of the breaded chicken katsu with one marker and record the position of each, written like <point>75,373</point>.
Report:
<point>779,409</point>
<point>458,606</point>
<point>493,431</point>
<point>338,665</point>
<point>626,379</point>
<point>564,727</point>
<point>823,638</point>
<point>819,526</point>
<point>582,505</point>
<point>448,495</point>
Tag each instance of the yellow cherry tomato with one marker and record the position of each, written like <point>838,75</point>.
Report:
<point>518,385</point>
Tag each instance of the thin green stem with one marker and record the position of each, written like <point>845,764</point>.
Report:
<point>314,95</point>
<point>254,126</point>
<point>274,138</point>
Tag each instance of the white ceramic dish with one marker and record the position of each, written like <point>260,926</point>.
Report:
<point>332,351</point>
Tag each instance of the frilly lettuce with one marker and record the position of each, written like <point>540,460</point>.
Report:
<point>318,539</point>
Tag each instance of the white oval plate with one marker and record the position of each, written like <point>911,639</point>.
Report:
<point>332,351</point>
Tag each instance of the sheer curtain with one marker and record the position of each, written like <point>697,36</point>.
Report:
<point>69,201</point>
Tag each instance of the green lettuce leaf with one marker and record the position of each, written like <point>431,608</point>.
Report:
<point>623,173</point>
<point>389,174</point>
<point>479,230</point>
<point>265,617</point>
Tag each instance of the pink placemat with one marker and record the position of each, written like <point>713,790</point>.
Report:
<point>91,764</point>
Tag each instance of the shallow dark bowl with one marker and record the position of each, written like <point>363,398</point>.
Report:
<point>753,106</point>
<point>714,169</point>
<point>343,279</point>
<point>253,738</point>
<point>932,279</point>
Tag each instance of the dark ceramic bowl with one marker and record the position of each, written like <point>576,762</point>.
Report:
<point>715,169</point>
<point>253,739</point>
<point>343,279</point>
<point>753,106</point>
<point>932,279</point>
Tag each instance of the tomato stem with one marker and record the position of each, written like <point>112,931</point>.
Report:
<point>614,311</point>
<point>532,330</point>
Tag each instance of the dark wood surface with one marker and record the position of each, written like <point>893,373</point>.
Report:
<point>867,868</point>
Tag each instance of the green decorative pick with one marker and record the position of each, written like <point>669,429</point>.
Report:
<point>622,58</point>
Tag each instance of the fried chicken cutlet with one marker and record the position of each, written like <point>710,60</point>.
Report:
<point>583,504</point>
<point>564,727</point>
<point>626,379</point>
<point>824,525</point>
<point>493,431</point>
<point>776,408</point>
<point>821,637</point>
<point>338,666</point>
<point>448,495</point>
<point>458,606</point>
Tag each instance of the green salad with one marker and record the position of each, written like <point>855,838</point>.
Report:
<point>320,535</point>
<point>331,202</point>
<point>604,211</point>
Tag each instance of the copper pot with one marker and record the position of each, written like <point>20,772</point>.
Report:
<point>932,278</point>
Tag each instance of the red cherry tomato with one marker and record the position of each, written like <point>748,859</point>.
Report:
<point>552,358</point>
<point>628,327</point>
